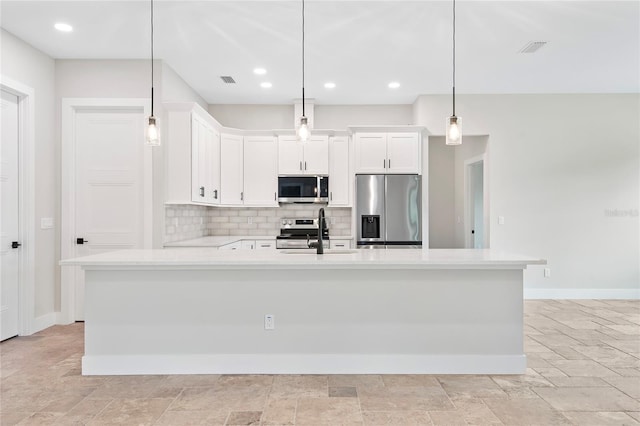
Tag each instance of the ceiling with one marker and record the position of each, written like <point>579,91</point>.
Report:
<point>361,46</point>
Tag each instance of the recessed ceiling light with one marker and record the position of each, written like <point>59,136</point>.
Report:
<point>61,26</point>
<point>266,85</point>
<point>259,71</point>
<point>329,85</point>
<point>394,85</point>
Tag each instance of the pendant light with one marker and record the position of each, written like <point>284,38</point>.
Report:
<point>454,123</point>
<point>153,131</point>
<point>303,130</point>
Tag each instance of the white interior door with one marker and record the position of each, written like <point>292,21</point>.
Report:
<point>109,185</point>
<point>9,231</point>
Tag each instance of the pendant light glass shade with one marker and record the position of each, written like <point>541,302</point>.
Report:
<point>454,131</point>
<point>153,131</point>
<point>303,130</point>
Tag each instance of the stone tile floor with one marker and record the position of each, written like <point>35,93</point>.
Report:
<point>583,369</point>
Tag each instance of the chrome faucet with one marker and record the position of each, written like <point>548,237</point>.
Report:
<point>318,245</point>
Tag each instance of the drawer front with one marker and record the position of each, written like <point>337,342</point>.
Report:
<point>265,244</point>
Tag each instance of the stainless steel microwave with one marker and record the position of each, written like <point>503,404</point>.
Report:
<point>303,189</point>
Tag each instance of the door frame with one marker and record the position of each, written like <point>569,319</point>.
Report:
<point>70,107</point>
<point>26,202</point>
<point>468,219</point>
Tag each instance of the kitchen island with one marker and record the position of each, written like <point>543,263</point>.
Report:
<point>202,310</point>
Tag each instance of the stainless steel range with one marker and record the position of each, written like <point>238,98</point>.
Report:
<point>294,232</point>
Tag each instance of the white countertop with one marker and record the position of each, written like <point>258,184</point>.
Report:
<point>212,258</point>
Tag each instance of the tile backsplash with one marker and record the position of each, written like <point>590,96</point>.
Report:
<point>184,222</point>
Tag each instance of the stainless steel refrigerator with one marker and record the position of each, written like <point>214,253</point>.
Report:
<point>389,211</point>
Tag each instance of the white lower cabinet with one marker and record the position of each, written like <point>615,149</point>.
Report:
<point>236,245</point>
<point>250,245</point>
<point>265,245</point>
<point>336,243</point>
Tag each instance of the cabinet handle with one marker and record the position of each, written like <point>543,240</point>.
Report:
<point>202,191</point>
<point>384,163</point>
<point>305,165</point>
<point>242,196</point>
<point>265,245</point>
<point>301,165</point>
<point>389,162</point>
<point>331,196</point>
<point>215,194</point>
<point>275,196</point>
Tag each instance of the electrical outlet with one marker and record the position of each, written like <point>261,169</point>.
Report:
<point>333,221</point>
<point>269,322</point>
<point>249,220</point>
<point>500,220</point>
<point>547,272</point>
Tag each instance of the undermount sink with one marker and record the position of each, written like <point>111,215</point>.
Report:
<point>313,251</point>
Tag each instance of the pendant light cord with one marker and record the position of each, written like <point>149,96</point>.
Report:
<point>152,58</point>
<point>303,114</point>
<point>454,58</point>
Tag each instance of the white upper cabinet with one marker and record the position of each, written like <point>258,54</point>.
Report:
<point>371,152</point>
<point>339,177</point>
<point>380,153</point>
<point>192,155</point>
<point>289,156</point>
<point>403,153</point>
<point>205,161</point>
<point>231,169</point>
<point>260,171</point>
<point>303,158</point>
<point>316,155</point>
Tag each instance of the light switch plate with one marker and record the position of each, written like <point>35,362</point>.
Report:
<point>46,223</point>
<point>500,220</point>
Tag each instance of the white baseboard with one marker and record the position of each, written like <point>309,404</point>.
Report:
<point>582,293</point>
<point>303,364</point>
<point>44,321</point>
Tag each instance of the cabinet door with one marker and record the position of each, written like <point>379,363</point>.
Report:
<point>260,171</point>
<point>403,153</point>
<point>339,180</point>
<point>316,155</point>
<point>289,156</point>
<point>371,152</point>
<point>213,165</point>
<point>248,244</point>
<point>198,161</point>
<point>231,169</point>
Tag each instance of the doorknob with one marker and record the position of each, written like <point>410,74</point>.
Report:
<point>81,241</point>
<point>15,244</point>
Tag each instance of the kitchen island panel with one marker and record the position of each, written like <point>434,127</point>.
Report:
<point>327,320</point>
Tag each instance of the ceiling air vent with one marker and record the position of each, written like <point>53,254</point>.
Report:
<point>228,79</point>
<point>532,46</point>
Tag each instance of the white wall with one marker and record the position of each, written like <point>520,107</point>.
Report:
<point>254,117</point>
<point>337,117</point>
<point>175,89</point>
<point>340,116</point>
<point>557,164</point>
<point>30,67</point>
<point>441,193</point>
